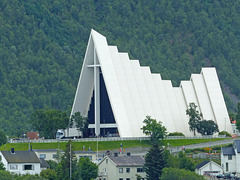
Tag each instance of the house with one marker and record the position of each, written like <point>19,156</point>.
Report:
<point>124,167</point>
<point>52,154</point>
<point>48,154</point>
<point>32,135</point>
<point>208,168</point>
<point>90,154</point>
<point>21,162</point>
<point>230,158</point>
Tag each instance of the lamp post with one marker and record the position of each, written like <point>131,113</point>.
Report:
<point>70,169</point>
<point>210,155</point>
<point>97,147</point>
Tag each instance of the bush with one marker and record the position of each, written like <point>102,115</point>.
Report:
<point>179,174</point>
<point>176,134</point>
<point>224,133</point>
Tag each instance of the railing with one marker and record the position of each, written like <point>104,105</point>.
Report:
<point>24,140</point>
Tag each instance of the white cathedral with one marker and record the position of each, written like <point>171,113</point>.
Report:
<point>116,94</point>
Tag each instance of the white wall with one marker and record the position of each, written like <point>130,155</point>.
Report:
<point>20,170</point>
<point>231,163</point>
<point>207,168</point>
<point>110,171</point>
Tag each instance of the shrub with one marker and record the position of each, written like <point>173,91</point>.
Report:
<point>176,134</point>
<point>224,133</point>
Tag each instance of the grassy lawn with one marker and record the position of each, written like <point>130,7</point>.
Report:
<point>102,145</point>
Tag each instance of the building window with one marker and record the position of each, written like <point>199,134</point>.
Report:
<point>229,157</point>
<point>128,170</point>
<point>139,169</point>
<point>90,157</point>
<point>106,161</point>
<point>120,170</point>
<point>54,156</point>
<point>127,178</point>
<point>13,167</point>
<point>28,167</point>
<point>227,167</point>
<point>120,178</point>
<point>42,156</point>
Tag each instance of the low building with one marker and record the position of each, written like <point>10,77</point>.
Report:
<point>90,154</point>
<point>208,168</point>
<point>21,162</point>
<point>32,135</point>
<point>52,154</point>
<point>48,154</point>
<point>121,167</point>
<point>230,158</point>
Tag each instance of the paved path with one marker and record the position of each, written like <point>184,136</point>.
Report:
<point>144,150</point>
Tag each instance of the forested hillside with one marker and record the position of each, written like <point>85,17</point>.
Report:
<point>42,45</point>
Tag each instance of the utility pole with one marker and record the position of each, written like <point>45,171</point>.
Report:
<point>70,161</point>
<point>97,147</point>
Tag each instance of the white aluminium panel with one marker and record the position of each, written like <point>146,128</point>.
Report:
<point>142,103</point>
<point>189,93</point>
<point>130,102</point>
<point>136,97</point>
<point>112,86</point>
<point>202,96</point>
<point>174,106</point>
<point>85,84</point>
<point>150,91</point>
<point>216,99</point>
<point>166,117</point>
<point>153,95</point>
<point>183,125</point>
<point>142,91</point>
<point>122,82</point>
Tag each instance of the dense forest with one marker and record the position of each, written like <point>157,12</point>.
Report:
<point>42,46</point>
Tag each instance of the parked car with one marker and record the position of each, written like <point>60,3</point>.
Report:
<point>219,176</point>
<point>229,176</point>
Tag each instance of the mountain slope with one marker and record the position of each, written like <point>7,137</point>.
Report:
<point>42,45</point>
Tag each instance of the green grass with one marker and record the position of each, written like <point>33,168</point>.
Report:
<point>102,145</point>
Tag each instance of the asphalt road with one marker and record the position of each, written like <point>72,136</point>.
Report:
<point>144,150</point>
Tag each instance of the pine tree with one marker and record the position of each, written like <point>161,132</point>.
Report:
<point>155,161</point>
<point>63,169</point>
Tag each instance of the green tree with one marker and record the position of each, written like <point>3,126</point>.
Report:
<point>172,160</point>
<point>208,127</point>
<point>155,161</point>
<point>185,163</point>
<point>2,165</point>
<point>6,175</point>
<point>81,123</point>
<point>194,117</point>
<point>154,129</point>
<point>3,138</point>
<point>179,174</point>
<point>86,169</point>
<point>48,174</point>
<point>47,122</point>
<point>238,116</point>
<point>68,160</point>
<point>52,164</point>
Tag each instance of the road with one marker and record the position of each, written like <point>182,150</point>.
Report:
<point>144,150</point>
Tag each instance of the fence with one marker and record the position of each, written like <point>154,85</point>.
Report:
<point>24,140</point>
